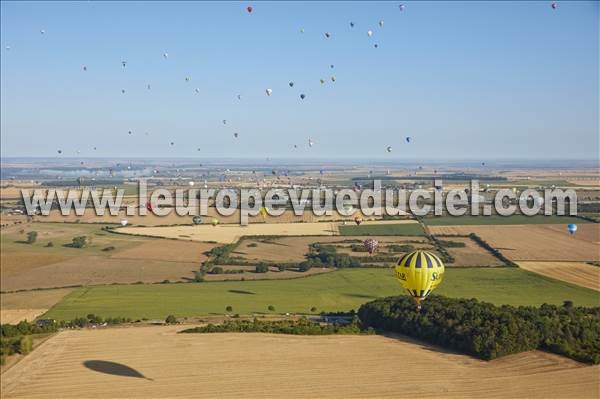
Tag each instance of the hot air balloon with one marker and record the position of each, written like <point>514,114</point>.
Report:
<point>236,135</point>
<point>371,245</point>
<point>333,78</point>
<point>408,139</point>
<point>554,5</point>
<point>191,184</point>
<point>196,220</point>
<point>224,121</point>
<point>123,222</point>
<point>263,212</point>
<point>291,84</point>
<point>301,30</point>
<point>352,24</point>
<point>197,90</point>
<point>123,91</point>
<point>149,206</point>
<point>84,68</point>
<point>389,148</point>
<point>381,23</point>
<point>42,31</point>
<point>59,151</point>
<point>376,45</point>
<point>129,132</point>
<point>331,66</point>
<point>310,142</point>
<point>358,220</point>
<point>148,86</point>
<point>419,272</point>
<point>268,91</point>
<point>302,96</point>
<point>249,9</point>
<point>239,96</point>
<point>401,7</point>
<point>188,78</point>
<point>172,143</point>
<point>369,33</point>
<point>165,55</point>
<point>322,81</point>
<point>572,227</point>
<point>124,63</point>
<point>7,48</point>
<point>327,35</point>
<point>214,222</point>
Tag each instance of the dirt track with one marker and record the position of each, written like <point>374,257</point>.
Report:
<point>276,366</point>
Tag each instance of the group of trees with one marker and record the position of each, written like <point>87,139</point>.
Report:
<point>327,256</point>
<point>488,331</point>
<point>296,327</point>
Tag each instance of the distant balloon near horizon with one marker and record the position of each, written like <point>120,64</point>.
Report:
<point>401,7</point>
<point>381,23</point>
<point>291,84</point>
<point>327,35</point>
<point>269,92</point>
<point>389,148</point>
<point>572,228</point>
<point>249,9</point>
<point>554,5</point>
<point>370,33</point>
<point>302,96</point>
<point>408,139</point>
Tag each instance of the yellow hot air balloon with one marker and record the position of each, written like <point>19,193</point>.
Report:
<point>215,222</point>
<point>263,212</point>
<point>419,272</point>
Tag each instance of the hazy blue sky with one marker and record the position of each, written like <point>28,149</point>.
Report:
<point>470,80</point>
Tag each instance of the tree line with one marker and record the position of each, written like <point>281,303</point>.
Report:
<point>487,331</point>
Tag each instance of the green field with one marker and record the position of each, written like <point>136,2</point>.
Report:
<point>341,290</point>
<point>407,229</point>
<point>498,220</point>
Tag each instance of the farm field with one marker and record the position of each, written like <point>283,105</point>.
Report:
<point>535,242</point>
<point>383,229</point>
<point>28,305</point>
<point>578,273</point>
<point>337,291</point>
<point>500,220</point>
<point>174,219</point>
<point>226,234</point>
<point>293,249</point>
<point>115,363</point>
<point>108,259</point>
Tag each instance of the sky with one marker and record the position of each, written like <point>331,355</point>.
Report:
<point>465,80</point>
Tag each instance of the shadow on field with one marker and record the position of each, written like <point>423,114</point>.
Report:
<point>242,292</point>
<point>103,366</point>
<point>361,296</point>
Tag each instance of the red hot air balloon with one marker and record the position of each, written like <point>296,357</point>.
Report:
<point>371,245</point>
<point>249,8</point>
<point>149,207</point>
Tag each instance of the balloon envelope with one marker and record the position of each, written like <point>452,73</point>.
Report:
<point>371,245</point>
<point>572,228</point>
<point>419,272</point>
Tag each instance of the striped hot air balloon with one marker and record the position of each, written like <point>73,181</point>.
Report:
<point>371,245</point>
<point>419,272</point>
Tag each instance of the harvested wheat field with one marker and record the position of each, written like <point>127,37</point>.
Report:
<point>535,242</point>
<point>226,234</point>
<point>578,273</point>
<point>118,363</point>
<point>28,305</point>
